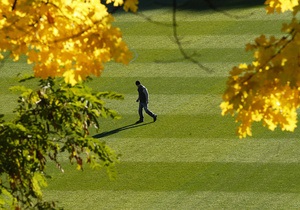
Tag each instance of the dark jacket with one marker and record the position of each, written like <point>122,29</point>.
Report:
<point>143,94</point>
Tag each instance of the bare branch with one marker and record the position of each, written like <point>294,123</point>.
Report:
<point>14,5</point>
<point>178,42</point>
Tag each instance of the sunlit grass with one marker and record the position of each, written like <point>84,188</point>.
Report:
<point>191,157</point>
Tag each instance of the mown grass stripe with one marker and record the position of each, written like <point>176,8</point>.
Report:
<point>183,126</point>
<point>205,150</point>
<point>241,14</point>
<point>202,27</point>
<point>162,68</point>
<point>189,177</point>
<point>203,55</point>
<point>109,199</point>
<point>172,69</point>
<point>162,85</point>
<point>175,104</point>
<point>254,150</point>
<point>193,41</point>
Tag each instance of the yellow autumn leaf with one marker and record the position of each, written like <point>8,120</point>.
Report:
<point>70,77</point>
<point>56,36</point>
<point>131,5</point>
<point>280,5</point>
<point>268,89</point>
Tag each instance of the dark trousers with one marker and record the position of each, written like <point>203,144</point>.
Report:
<point>145,107</point>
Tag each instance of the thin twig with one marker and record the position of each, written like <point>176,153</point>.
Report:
<point>178,42</point>
<point>14,5</point>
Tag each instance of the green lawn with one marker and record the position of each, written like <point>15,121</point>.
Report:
<point>191,157</point>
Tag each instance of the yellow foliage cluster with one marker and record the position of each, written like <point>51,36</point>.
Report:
<point>281,5</point>
<point>268,89</point>
<point>69,38</point>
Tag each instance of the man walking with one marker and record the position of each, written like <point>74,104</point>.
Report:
<point>143,99</point>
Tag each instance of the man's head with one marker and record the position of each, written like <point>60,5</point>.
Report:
<point>137,83</point>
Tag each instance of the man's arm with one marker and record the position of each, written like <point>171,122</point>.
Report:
<point>146,94</point>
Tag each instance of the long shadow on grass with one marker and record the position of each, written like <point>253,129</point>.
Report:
<point>112,132</point>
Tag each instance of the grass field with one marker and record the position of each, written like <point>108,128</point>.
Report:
<point>190,158</point>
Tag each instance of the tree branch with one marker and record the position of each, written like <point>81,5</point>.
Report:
<point>14,5</point>
<point>178,42</point>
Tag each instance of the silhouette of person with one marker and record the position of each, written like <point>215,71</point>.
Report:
<point>143,100</point>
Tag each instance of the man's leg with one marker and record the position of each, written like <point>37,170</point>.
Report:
<point>154,116</point>
<point>140,111</point>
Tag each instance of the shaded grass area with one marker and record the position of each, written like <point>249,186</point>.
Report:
<point>198,5</point>
<point>178,176</point>
<point>195,4</point>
